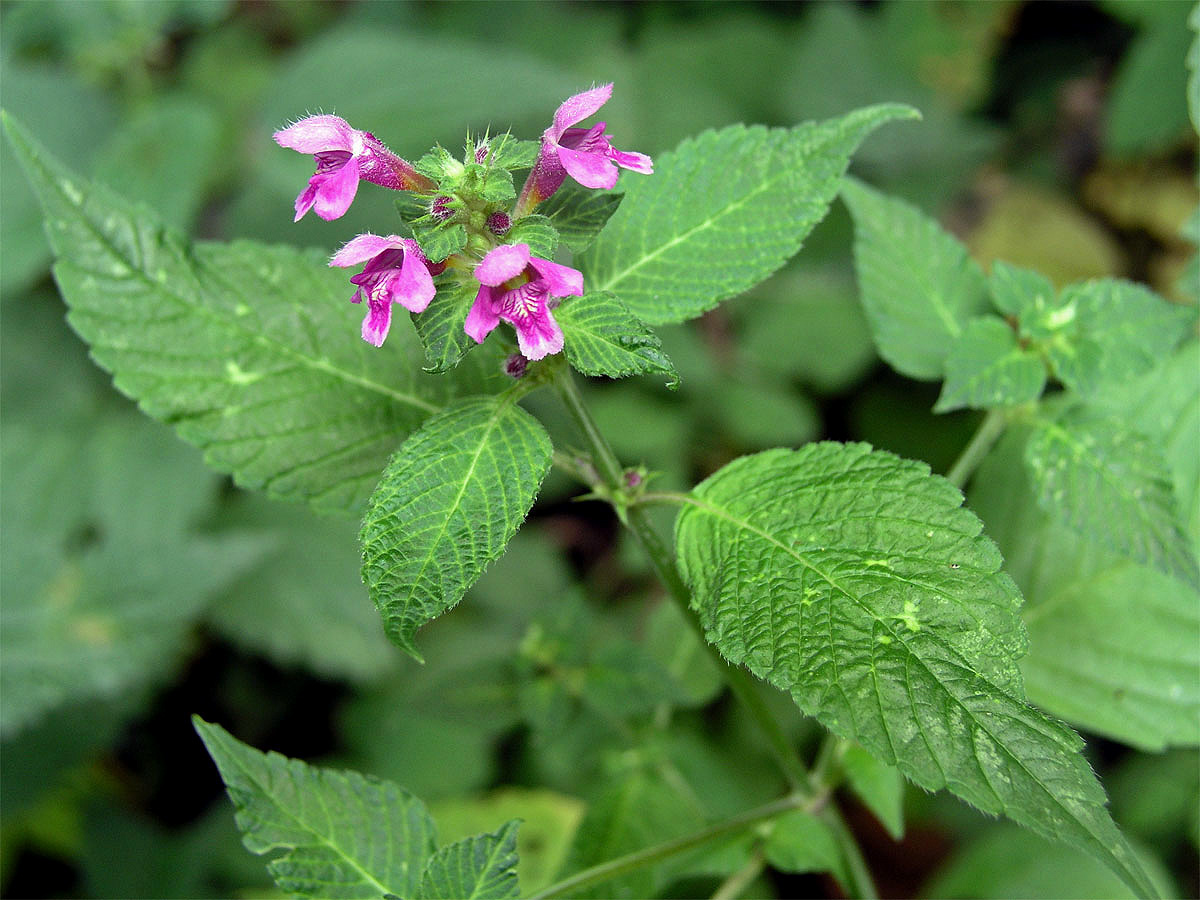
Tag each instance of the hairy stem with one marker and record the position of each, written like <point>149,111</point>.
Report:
<point>631,862</point>
<point>810,790</point>
<point>981,442</point>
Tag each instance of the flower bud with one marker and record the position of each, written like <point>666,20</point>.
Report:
<point>440,208</point>
<point>514,366</point>
<point>498,223</point>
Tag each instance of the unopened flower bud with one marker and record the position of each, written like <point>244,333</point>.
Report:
<point>514,366</point>
<point>481,153</point>
<point>498,223</point>
<point>440,208</point>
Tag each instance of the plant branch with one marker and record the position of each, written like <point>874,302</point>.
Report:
<point>810,790</point>
<point>631,862</point>
<point>981,442</point>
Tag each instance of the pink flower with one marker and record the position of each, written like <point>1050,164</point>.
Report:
<point>396,271</point>
<point>583,153</point>
<point>518,288</point>
<point>344,155</point>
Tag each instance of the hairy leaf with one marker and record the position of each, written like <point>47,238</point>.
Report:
<point>342,834</point>
<point>483,867</point>
<point>1109,331</point>
<point>988,367</point>
<point>536,231</point>
<point>1020,292</point>
<point>449,501</point>
<point>440,326</point>
<point>919,286</point>
<point>580,213</point>
<point>856,581</point>
<point>602,337</point>
<point>722,212</point>
<point>251,351</point>
<point>1110,483</point>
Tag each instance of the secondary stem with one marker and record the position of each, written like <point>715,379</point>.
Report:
<point>815,795</point>
<point>981,442</point>
<point>648,856</point>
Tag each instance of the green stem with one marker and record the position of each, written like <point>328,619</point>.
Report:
<point>745,690</point>
<point>631,862</point>
<point>985,436</point>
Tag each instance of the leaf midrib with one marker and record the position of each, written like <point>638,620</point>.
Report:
<point>155,286</point>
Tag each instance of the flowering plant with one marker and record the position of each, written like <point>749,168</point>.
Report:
<point>852,580</point>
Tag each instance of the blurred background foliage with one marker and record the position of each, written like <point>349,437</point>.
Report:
<point>139,587</point>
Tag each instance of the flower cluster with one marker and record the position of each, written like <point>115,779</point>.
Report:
<point>461,214</point>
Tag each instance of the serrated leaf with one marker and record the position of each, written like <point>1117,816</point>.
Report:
<point>507,152</point>
<point>602,337</point>
<point>856,581</point>
<point>1111,484</point>
<point>440,326</point>
<point>988,367</point>
<point>1015,289</point>
<point>483,867</point>
<point>447,504</point>
<point>342,834</point>
<point>251,351</point>
<point>919,287</point>
<point>536,231</point>
<point>439,240</point>
<point>580,213</point>
<point>1112,330</point>
<point>722,212</point>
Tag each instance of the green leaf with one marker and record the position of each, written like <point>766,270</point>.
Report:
<point>800,842</point>
<point>440,326</point>
<point>342,834</point>
<point>439,239</point>
<point>1147,106</point>
<point>602,337</point>
<point>580,213</point>
<point>536,231</point>
<point>483,867</point>
<point>722,212</point>
<point>1114,646</point>
<point>988,367</point>
<point>448,502</point>
<point>1016,290</point>
<point>1005,862</point>
<point>856,581</point>
<point>919,286</point>
<point>102,574</point>
<point>878,785</point>
<point>251,351</point>
<point>1111,484</point>
<point>508,152</point>
<point>1109,331</point>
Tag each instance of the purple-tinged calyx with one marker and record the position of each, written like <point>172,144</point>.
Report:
<point>440,209</point>
<point>344,156</point>
<point>586,154</point>
<point>396,271</point>
<point>499,223</point>
<point>519,288</point>
<point>515,365</point>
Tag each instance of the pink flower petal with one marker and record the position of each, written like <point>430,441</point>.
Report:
<point>560,280</point>
<point>358,250</point>
<point>538,335</point>
<point>315,134</point>
<point>577,108</point>
<point>335,191</point>
<point>377,322</point>
<point>483,317</point>
<point>635,162</point>
<point>591,169</point>
<point>502,263</point>
<point>412,287</point>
